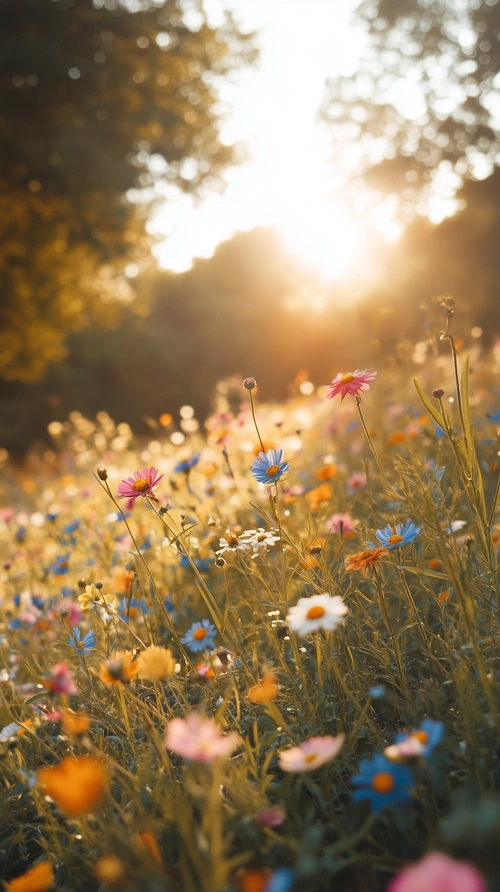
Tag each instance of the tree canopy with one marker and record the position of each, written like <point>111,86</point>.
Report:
<point>105,106</point>
<point>423,101</point>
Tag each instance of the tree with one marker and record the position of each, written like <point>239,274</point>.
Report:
<point>105,107</point>
<point>422,104</point>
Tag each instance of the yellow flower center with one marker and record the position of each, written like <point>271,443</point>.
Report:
<point>274,469</point>
<point>395,540</point>
<point>421,736</point>
<point>140,485</point>
<point>383,782</point>
<point>261,538</point>
<point>231,539</point>
<point>346,379</point>
<point>315,612</point>
<point>200,634</point>
<point>311,757</point>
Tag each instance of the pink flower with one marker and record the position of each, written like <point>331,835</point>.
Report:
<point>271,817</point>
<point>141,484</point>
<point>60,680</point>
<point>311,754</point>
<point>352,383</point>
<point>356,481</point>
<point>341,523</point>
<point>70,611</point>
<point>438,873</point>
<point>199,739</point>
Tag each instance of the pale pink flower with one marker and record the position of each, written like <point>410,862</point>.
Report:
<point>271,817</point>
<point>341,523</point>
<point>60,680</point>
<point>351,383</point>
<point>356,481</point>
<point>199,739</point>
<point>311,754</point>
<point>438,873</point>
<point>409,748</point>
<point>141,484</point>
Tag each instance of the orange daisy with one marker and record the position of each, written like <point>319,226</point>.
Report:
<point>76,784</point>
<point>363,560</point>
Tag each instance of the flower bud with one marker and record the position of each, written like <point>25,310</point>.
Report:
<point>438,393</point>
<point>102,473</point>
<point>249,383</point>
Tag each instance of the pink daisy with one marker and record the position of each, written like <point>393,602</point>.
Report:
<point>341,523</point>
<point>439,873</point>
<point>199,739</point>
<point>311,754</point>
<point>141,484</point>
<point>352,383</point>
<point>60,680</point>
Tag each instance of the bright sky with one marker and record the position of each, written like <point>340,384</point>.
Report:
<point>289,181</point>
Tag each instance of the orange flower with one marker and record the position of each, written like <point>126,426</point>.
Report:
<point>74,723</point>
<point>309,561</point>
<point>147,841</point>
<point>434,564</point>
<point>266,690</point>
<point>444,596</point>
<point>396,438</point>
<point>76,785</point>
<point>208,469</point>
<point>120,669</point>
<point>253,880</point>
<point>267,444</point>
<point>120,580</point>
<point>108,869</point>
<point>315,497</point>
<point>38,879</point>
<point>327,472</point>
<point>363,560</point>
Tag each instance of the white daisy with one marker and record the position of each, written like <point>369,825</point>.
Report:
<point>231,542</point>
<point>259,540</point>
<point>317,612</point>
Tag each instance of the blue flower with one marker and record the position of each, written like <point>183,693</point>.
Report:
<point>82,644</point>
<point>382,783</point>
<point>184,467</point>
<point>132,609</point>
<point>429,735</point>
<point>200,635</point>
<point>401,534</point>
<point>71,527</point>
<point>269,466</point>
<point>281,880</point>
<point>60,565</point>
<point>201,564</point>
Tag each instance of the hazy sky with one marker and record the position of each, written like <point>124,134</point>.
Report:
<point>288,181</point>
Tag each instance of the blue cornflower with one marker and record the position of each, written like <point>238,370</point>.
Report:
<point>429,735</point>
<point>71,527</point>
<point>281,880</point>
<point>201,564</point>
<point>184,467</point>
<point>82,644</point>
<point>200,635</point>
<point>60,565</point>
<point>269,466</point>
<point>396,536</point>
<point>132,609</point>
<point>382,783</point>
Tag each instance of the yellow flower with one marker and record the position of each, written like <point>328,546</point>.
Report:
<point>38,879</point>
<point>76,785</point>
<point>266,690</point>
<point>108,869</point>
<point>89,596</point>
<point>155,663</point>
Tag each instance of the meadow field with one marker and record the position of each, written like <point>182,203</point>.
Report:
<point>260,654</point>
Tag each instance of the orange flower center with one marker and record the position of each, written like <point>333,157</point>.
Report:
<point>274,469</point>
<point>261,538</point>
<point>140,485</point>
<point>395,540</point>
<point>200,634</point>
<point>231,539</point>
<point>383,782</point>
<point>346,379</point>
<point>315,612</point>
<point>311,757</point>
<point>421,736</point>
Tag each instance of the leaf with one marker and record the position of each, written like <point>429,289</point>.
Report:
<point>419,571</point>
<point>438,418</point>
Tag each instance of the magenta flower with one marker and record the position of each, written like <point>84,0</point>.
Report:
<point>438,873</point>
<point>352,383</point>
<point>141,484</point>
<point>199,739</point>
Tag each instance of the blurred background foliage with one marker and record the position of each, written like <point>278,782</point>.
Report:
<point>123,109</point>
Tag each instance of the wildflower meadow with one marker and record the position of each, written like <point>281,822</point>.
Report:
<point>260,653</point>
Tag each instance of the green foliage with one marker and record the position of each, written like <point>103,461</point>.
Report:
<point>105,108</point>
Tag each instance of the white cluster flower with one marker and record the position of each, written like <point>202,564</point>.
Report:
<point>231,542</point>
<point>259,540</point>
